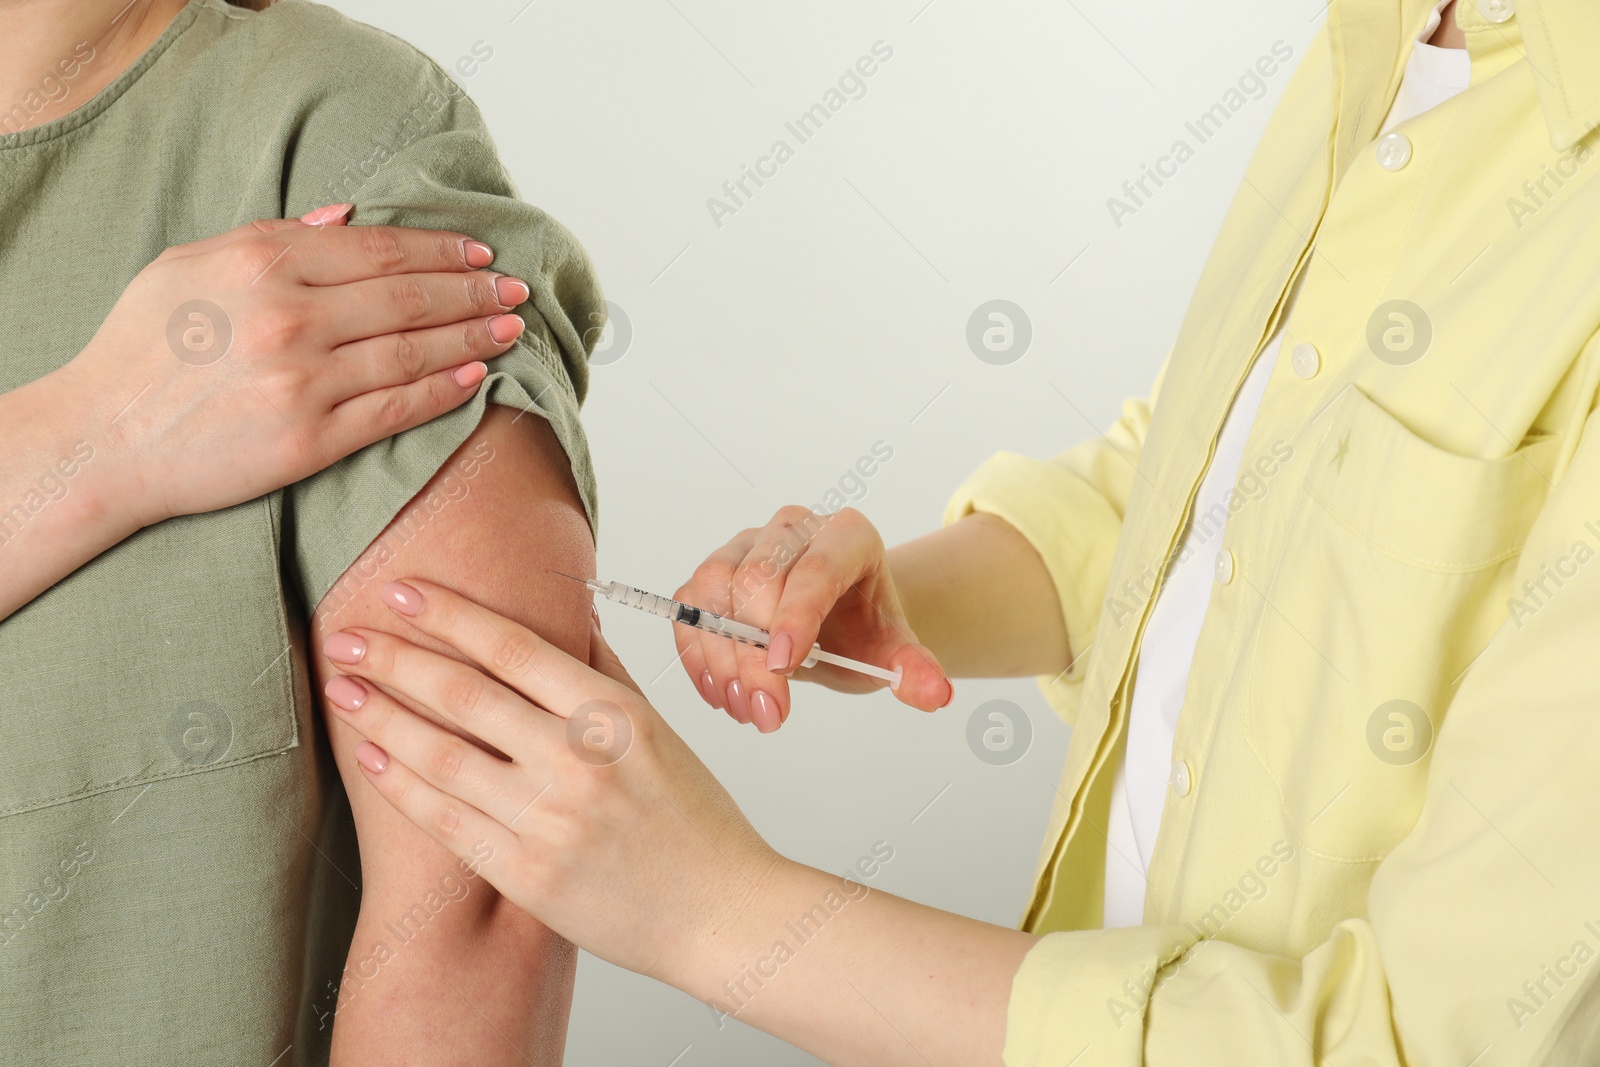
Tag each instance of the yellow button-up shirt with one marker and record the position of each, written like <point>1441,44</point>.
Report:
<point>1379,851</point>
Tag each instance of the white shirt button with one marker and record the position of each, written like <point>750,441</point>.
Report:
<point>1305,360</point>
<point>1224,567</point>
<point>1496,11</point>
<point>1182,781</point>
<point>1394,151</point>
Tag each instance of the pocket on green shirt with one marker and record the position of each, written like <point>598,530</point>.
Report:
<point>167,656</point>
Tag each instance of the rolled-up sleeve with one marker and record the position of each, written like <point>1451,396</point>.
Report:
<point>1155,995</point>
<point>436,167</point>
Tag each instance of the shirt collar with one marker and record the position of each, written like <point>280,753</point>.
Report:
<point>1562,39</point>
<point>1558,38</point>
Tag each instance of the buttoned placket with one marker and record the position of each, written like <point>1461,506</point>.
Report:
<point>1320,351</point>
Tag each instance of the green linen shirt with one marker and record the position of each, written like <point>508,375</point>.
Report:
<point>178,873</point>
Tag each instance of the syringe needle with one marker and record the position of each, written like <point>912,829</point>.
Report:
<point>564,574</point>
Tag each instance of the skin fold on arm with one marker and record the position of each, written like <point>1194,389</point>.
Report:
<point>477,981</point>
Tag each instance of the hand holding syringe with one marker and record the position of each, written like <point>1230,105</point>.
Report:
<point>700,619</point>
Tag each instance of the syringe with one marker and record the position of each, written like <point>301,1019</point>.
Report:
<point>721,625</point>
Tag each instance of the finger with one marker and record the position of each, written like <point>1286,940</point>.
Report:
<point>459,694</point>
<point>259,226</point>
<point>722,663</point>
<point>831,562</point>
<point>923,682</point>
<point>445,760</point>
<point>694,664</point>
<point>759,583</point>
<point>841,573</point>
<point>455,824</point>
<point>398,358</point>
<point>332,215</point>
<point>382,413</point>
<point>711,663</point>
<point>526,663</point>
<point>339,255</point>
<point>888,641</point>
<point>692,654</point>
<point>766,694</point>
<point>708,588</point>
<point>373,307</point>
<point>755,591</point>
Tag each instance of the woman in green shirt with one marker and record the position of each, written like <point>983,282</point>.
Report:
<point>195,403</point>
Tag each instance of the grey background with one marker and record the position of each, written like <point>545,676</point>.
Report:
<point>831,311</point>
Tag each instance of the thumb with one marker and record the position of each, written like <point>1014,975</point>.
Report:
<point>923,683</point>
<point>332,215</point>
<point>603,659</point>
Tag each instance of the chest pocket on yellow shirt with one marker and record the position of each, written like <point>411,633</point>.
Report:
<point>1393,575</point>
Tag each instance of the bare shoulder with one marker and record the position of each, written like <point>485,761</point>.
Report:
<point>494,524</point>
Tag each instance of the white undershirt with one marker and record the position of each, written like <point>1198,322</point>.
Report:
<point>1139,789</point>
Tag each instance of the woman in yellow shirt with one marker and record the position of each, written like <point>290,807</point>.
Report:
<point>1366,849</point>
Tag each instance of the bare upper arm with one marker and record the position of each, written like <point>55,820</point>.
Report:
<point>492,524</point>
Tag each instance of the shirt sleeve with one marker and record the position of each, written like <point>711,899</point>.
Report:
<point>1070,508</point>
<point>431,163</point>
<point>1481,936</point>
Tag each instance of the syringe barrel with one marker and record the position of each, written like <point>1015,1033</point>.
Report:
<point>710,621</point>
<point>638,598</point>
<point>699,618</point>
<point>742,632</point>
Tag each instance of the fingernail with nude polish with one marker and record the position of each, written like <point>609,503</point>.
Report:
<point>405,599</point>
<point>510,291</point>
<point>505,328</point>
<point>477,254</point>
<point>780,652</point>
<point>470,374</point>
<point>323,216</point>
<point>764,712</point>
<point>372,757</point>
<point>346,692</point>
<point>344,648</point>
<point>737,706</point>
<point>708,687</point>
